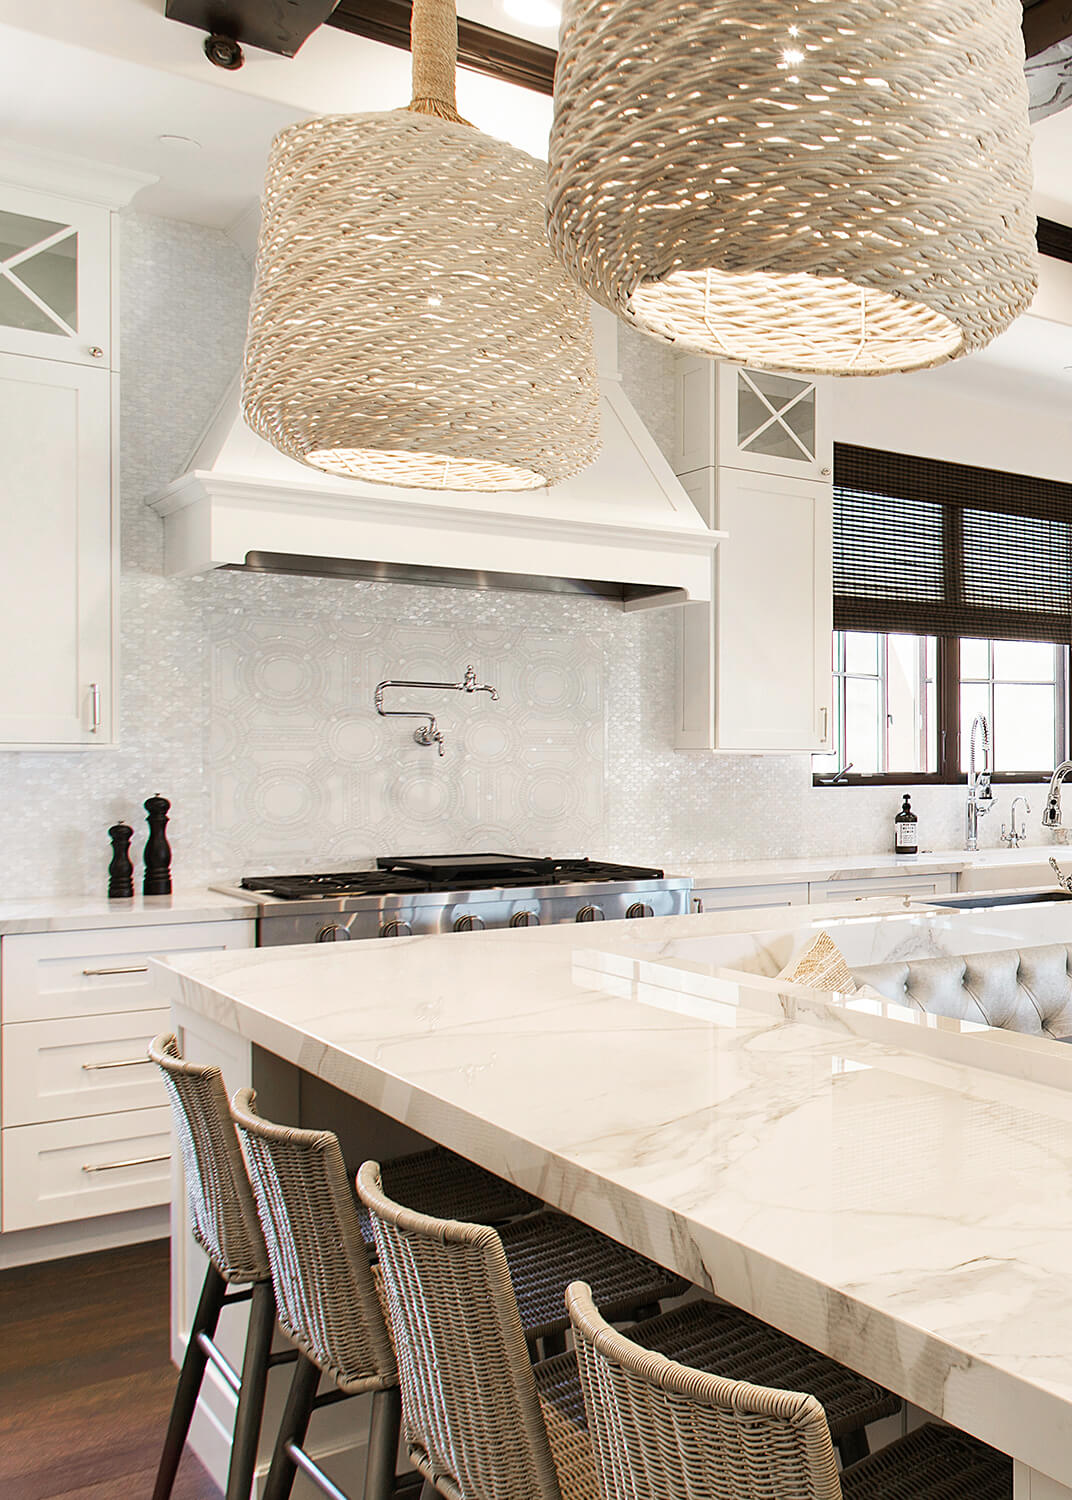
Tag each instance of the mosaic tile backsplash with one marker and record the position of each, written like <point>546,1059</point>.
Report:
<point>248,699</point>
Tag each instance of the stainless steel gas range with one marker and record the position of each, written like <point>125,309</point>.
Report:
<point>455,893</point>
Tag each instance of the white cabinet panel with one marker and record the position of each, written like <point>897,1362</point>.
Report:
<point>59,1070</point>
<point>77,1169</point>
<point>56,641</point>
<point>916,886</point>
<point>741,897</point>
<point>56,974</point>
<point>735,417</point>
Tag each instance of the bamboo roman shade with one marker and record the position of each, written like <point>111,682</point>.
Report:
<point>932,548</point>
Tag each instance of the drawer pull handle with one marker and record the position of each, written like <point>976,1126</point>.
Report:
<point>126,1062</point>
<point>128,969</point>
<point>135,1161</point>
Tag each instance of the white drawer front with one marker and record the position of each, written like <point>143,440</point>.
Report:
<point>77,1169</point>
<point>49,975</point>
<point>58,1070</point>
<point>741,897</point>
<point>916,886</point>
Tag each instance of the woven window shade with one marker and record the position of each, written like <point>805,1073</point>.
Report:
<point>836,186</point>
<point>933,548</point>
<point>409,324</point>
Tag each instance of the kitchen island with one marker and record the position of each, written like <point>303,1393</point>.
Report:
<point>904,1213</point>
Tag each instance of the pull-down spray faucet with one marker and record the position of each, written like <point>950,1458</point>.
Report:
<point>430,733</point>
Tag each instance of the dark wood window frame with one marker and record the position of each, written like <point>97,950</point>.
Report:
<point>947,680</point>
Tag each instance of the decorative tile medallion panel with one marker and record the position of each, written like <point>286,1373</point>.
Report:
<point>304,774</point>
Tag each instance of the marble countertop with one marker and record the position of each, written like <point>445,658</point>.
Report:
<point>859,866</point>
<point>82,913</point>
<point>905,1213</point>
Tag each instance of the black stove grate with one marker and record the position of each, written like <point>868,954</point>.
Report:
<point>444,873</point>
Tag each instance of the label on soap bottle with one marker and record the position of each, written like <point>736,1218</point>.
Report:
<point>907,838</point>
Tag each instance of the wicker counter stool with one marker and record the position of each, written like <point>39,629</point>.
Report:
<point>223,1220</point>
<point>479,1418</point>
<point>445,1185</point>
<point>661,1428</point>
<point>328,1304</point>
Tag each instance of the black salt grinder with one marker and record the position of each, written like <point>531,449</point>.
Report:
<point>157,854</point>
<point>120,871</point>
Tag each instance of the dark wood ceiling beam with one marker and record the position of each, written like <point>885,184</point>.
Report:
<point>511,59</point>
<point>1046,22</point>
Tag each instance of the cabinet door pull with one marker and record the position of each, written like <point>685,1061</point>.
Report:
<point>697,904</point>
<point>94,707</point>
<point>127,969</point>
<point>824,720</point>
<point>135,1161</point>
<point>126,1062</point>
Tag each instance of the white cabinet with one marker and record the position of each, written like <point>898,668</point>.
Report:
<point>919,887</point>
<point>56,625</point>
<point>744,897</point>
<point>753,452</point>
<point>55,278</point>
<point>58,409</point>
<point>85,1125</point>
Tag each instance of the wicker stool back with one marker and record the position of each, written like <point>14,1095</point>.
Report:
<point>223,1216</point>
<point>471,1416</point>
<point>660,1429</point>
<point>325,1294</point>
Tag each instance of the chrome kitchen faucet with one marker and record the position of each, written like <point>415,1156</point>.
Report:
<point>430,733</point>
<point>980,797</point>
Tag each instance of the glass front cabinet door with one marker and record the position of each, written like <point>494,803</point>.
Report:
<point>774,423</point>
<point>55,278</point>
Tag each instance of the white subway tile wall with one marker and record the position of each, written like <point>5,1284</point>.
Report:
<point>248,699</point>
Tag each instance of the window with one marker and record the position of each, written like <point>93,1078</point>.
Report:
<point>904,705</point>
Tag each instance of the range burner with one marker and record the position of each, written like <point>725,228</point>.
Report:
<point>415,894</point>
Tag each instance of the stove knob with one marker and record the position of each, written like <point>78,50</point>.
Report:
<point>333,933</point>
<point>590,914</point>
<point>469,923</point>
<point>396,928</point>
<point>525,919</point>
<point>639,909</point>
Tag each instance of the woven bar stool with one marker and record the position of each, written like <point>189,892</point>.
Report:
<point>445,1185</point>
<point>328,1304</point>
<point>661,1428</point>
<point>479,1418</point>
<point>223,1220</point>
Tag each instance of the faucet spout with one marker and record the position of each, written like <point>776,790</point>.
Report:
<point>980,795</point>
<point>1051,813</point>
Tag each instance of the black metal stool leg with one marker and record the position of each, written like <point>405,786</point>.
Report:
<point>292,1429</point>
<point>189,1384</point>
<point>853,1446</point>
<point>247,1427</point>
<point>382,1459</point>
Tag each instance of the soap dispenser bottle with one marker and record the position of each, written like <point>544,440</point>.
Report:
<point>906,829</point>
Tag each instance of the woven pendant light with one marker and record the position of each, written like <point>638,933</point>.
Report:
<point>832,186</point>
<point>409,323</point>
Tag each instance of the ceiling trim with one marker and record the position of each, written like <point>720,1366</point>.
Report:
<point>511,59</point>
<point>72,176</point>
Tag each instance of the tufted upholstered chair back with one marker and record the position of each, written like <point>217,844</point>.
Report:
<point>1020,989</point>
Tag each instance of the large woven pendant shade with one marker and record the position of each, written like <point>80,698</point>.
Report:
<point>833,186</point>
<point>409,323</point>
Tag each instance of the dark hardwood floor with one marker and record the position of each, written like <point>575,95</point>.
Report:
<point>85,1379</point>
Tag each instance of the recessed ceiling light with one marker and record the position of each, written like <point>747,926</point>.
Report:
<point>544,13</point>
<point>179,140</point>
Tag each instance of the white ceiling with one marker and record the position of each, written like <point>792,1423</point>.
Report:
<point>108,80</point>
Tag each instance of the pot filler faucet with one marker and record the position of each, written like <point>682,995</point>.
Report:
<point>1051,813</point>
<point>980,797</point>
<point>430,733</point>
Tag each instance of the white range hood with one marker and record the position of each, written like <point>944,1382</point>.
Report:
<point>625,528</point>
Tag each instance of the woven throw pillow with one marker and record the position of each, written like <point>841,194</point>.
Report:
<point>821,966</point>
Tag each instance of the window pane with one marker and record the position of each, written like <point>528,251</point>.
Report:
<point>974,658</point>
<point>1024,661</point>
<point>862,725</point>
<point>974,699</point>
<point>861,652</point>
<point>1024,728</point>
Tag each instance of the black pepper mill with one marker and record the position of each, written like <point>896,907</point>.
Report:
<point>157,854</point>
<point>120,871</point>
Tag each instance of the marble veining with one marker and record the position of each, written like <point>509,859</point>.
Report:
<point>842,1187</point>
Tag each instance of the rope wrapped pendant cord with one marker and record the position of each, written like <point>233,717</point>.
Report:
<point>813,185</point>
<point>409,323</point>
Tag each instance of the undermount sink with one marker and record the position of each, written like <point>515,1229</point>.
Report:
<point>999,898</point>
